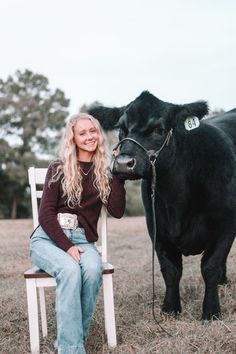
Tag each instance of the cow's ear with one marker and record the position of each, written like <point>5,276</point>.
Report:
<point>108,117</point>
<point>196,109</point>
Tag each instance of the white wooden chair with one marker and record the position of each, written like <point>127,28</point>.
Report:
<point>36,279</point>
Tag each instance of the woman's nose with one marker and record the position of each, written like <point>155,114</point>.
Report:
<point>89,136</point>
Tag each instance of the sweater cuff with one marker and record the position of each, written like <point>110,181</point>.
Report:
<point>117,181</point>
<point>66,245</point>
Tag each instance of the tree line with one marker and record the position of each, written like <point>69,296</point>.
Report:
<point>31,120</point>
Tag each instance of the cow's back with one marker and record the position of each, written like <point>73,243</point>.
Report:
<point>226,122</point>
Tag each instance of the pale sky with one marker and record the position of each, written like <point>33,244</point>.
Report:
<point>110,51</point>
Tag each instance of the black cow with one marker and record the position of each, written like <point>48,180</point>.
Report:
<point>196,185</point>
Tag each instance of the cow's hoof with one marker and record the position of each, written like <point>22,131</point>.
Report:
<point>224,281</point>
<point>211,316</point>
<point>170,311</point>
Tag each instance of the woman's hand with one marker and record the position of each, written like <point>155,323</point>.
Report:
<point>115,153</point>
<point>74,252</point>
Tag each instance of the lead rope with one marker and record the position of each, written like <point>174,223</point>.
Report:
<point>152,155</point>
<point>154,231</point>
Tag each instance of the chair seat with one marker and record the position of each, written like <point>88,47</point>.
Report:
<point>36,272</point>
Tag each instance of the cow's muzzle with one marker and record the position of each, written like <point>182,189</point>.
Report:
<point>124,164</point>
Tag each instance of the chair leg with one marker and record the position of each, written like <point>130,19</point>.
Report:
<point>43,311</point>
<point>109,311</point>
<point>33,315</point>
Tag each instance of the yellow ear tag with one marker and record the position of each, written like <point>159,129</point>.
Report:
<point>191,123</point>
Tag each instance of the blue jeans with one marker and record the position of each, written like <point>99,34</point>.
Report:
<point>77,285</point>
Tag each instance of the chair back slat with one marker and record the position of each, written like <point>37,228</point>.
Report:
<point>36,180</point>
<point>39,194</point>
<point>103,235</point>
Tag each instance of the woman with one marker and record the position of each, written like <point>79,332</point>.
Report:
<point>76,187</point>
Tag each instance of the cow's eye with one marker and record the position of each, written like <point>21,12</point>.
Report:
<point>157,131</point>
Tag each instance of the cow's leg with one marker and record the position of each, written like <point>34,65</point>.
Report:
<point>223,280</point>
<point>169,257</point>
<point>171,268</point>
<point>213,267</point>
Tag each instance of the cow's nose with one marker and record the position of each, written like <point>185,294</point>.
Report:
<point>124,164</point>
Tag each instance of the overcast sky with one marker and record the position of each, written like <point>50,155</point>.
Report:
<point>110,51</point>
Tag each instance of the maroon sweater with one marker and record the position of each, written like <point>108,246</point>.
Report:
<point>52,203</point>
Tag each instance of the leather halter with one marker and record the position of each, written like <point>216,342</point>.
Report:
<point>152,154</point>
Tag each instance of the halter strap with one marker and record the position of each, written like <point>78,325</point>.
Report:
<point>152,154</point>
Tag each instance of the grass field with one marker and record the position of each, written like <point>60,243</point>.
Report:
<point>130,252</point>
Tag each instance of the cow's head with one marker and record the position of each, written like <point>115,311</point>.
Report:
<point>147,120</point>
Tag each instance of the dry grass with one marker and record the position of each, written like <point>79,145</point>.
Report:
<point>130,252</point>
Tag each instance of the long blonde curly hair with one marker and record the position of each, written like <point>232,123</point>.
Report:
<point>70,170</point>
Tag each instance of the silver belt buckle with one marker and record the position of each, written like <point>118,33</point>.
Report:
<point>67,221</point>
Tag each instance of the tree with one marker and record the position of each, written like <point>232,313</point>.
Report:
<point>31,118</point>
<point>217,111</point>
<point>85,107</point>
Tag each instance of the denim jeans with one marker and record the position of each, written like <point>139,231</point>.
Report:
<point>77,285</point>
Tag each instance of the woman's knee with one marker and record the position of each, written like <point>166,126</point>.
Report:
<point>93,272</point>
<point>69,270</point>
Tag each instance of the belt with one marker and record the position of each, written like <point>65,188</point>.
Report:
<point>68,221</point>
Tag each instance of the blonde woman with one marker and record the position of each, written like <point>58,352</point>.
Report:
<point>76,187</point>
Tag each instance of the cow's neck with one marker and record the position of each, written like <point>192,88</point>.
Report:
<point>170,183</point>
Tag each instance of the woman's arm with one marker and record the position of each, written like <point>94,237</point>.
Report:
<point>116,200</point>
<point>48,211</point>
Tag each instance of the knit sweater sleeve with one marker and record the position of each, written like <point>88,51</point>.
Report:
<point>48,211</point>
<point>116,200</point>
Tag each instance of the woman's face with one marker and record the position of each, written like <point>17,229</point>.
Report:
<point>86,137</point>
